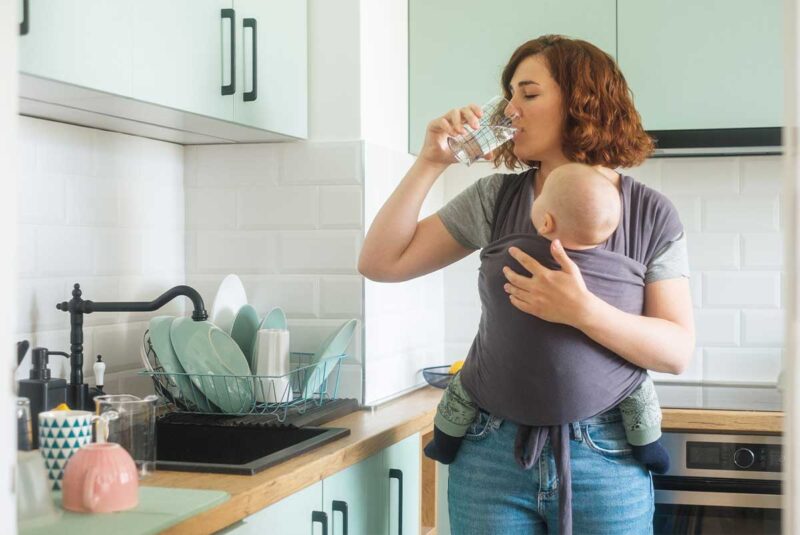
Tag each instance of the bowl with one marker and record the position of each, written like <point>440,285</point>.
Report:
<point>438,376</point>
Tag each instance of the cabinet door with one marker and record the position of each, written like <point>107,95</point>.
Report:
<point>272,66</point>
<point>354,498</point>
<point>458,48</point>
<point>709,64</point>
<point>402,477</point>
<point>298,514</point>
<point>82,42</point>
<point>182,55</point>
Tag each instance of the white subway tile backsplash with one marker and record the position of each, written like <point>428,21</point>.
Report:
<point>63,148</point>
<point>648,173</point>
<point>162,252</point>
<point>36,305</point>
<point>688,211</point>
<point>278,207</point>
<point>41,198</point>
<point>745,365</point>
<point>713,250</point>
<point>211,208</point>
<point>245,252</point>
<point>322,163</point>
<point>117,155</point>
<point>64,250</point>
<point>743,289</point>
<point>763,328</point>
<point>341,296</point>
<point>753,214</point>
<point>696,286</point>
<point>341,207</point>
<point>324,251</point>
<point>117,251</point>
<point>762,250</point>
<point>297,295</point>
<point>762,174</point>
<point>706,176</point>
<point>232,165</point>
<point>26,250</point>
<point>717,327</point>
<point>92,201</point>
<point>119,344</point>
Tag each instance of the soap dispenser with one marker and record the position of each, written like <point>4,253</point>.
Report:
<point>43,391</point>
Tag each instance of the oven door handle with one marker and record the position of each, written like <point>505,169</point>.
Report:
<point>719,499</point>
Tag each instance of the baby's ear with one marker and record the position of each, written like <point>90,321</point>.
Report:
<point>548,225</point>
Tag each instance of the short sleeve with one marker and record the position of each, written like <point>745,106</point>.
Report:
<point>670,262</point>
<point>468,216</point>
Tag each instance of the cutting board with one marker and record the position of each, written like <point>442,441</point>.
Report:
<point>158,509</point>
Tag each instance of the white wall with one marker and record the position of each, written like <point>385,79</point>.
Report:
<point>104,210</point>
<point>9,28</point>
<point>730,208</point>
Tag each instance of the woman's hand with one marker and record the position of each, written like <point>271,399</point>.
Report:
<point>435,149</point>
<point>555,296</point>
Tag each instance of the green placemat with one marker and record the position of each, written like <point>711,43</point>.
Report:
<point>158,509</point>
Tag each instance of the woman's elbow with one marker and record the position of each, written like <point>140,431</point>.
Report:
<point>373,271</point>
<point>681,362</point>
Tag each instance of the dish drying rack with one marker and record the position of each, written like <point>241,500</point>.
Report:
<point>308,385</point>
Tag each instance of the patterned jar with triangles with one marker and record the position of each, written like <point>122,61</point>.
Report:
<point>61,434</point>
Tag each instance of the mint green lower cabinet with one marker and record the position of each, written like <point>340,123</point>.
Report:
<point>442,513</point>
<point>402,468</point>
<point>353,499</point>
<point>293,515</point>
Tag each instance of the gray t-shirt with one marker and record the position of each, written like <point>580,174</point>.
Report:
<point>468,218</point>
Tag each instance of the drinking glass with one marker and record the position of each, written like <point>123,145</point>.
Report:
<point>494,130</point>
<point>131,423</point>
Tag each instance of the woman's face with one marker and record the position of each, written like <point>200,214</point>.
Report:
<point>536,102</point>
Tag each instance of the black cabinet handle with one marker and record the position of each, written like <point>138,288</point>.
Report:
<point>249,96</point>
<point>340,506</point>
<point>230,89</point>
<point>24,26</point>
<point>322,518</point>
<point>395,473</point>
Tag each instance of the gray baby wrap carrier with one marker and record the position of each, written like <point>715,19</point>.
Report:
<point>544,375</point>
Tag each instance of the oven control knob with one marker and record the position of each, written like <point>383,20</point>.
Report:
<point>744,458</point>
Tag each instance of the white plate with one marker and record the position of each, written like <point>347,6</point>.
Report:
<point>229,299</point>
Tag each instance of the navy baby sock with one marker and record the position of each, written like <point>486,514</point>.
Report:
<point>654,456</point>
<point>443,447</point>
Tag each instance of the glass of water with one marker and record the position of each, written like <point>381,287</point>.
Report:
<point>494,130</point>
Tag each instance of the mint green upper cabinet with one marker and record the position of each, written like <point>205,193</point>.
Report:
<point>706,64</point>
<point>82,42</point>
<point>458,48</point>
<point>355,498</point>
<point>402,472</point>
<point>276,98</point>
<point>180,58</point>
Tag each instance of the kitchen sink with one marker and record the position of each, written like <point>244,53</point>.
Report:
<point>236,445</point>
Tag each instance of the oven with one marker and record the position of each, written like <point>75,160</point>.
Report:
<point>719,484</point>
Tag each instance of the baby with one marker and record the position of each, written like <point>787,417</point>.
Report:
<point>580,207</point>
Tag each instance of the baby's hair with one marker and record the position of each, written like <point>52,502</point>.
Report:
<point>584,203</point>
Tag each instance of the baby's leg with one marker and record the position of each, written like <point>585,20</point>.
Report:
<point>641,415</point>
<point>455,413</point>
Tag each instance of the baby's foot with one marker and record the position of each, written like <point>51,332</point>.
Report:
<point>443,447</point>
<point>654,456</point>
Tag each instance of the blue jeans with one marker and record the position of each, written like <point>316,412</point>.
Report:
<point>490,494</point>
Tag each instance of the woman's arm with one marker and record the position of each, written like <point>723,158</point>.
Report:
<point>661,340</point>
<point>397,246</point>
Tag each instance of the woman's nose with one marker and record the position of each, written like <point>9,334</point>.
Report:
<point>511,111</point>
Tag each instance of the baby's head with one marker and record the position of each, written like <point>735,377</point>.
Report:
<point>577,205</point>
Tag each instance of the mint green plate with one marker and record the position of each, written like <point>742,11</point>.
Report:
<point>335,345</point>
<point>244,331</point>
<point>275,319</point>
<point>162,345</point>
<point>207,351</point>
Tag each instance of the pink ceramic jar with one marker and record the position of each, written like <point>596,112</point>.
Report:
<point>100,478</point>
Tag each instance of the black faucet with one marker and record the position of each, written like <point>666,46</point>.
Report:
<point>77,390</point>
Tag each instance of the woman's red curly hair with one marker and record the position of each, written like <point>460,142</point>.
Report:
<point>601,125</point>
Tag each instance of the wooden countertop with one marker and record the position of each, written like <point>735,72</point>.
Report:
<point>374,430</point>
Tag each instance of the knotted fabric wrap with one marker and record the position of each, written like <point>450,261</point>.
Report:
<point>545,375</point>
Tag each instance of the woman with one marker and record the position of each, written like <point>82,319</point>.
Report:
<point>570,103</point>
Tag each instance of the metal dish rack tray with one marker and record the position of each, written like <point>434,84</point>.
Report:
<point>308,385</point>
